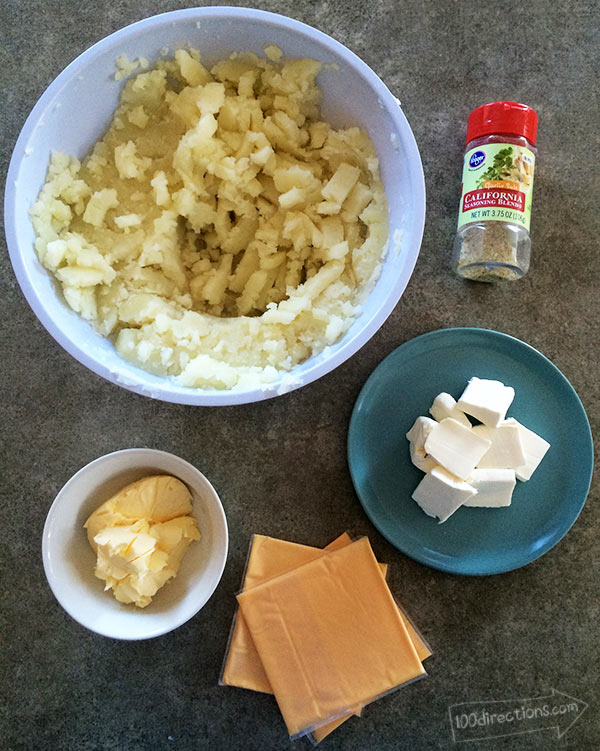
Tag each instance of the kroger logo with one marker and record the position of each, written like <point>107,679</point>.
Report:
<point>477,159</point>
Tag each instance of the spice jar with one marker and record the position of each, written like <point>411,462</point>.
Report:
<point>492,242</point>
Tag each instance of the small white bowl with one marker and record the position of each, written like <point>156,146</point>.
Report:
<point>69,560</point>
<point>76,108</point>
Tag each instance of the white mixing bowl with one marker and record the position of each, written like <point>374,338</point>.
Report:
<point>77,107</point>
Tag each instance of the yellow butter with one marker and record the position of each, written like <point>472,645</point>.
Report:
<point>140,536</point>
<point>329,636</point>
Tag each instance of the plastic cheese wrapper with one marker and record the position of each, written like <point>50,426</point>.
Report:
<point>330,637</point>
<point>269,557</point>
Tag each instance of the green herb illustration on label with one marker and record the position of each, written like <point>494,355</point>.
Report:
<point>501,167</point>
<point>497,184</point>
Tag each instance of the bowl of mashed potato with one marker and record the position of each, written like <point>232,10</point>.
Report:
<point>215,206</point>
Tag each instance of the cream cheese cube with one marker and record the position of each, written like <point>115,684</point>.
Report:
<point>486,400</point>
<point>456,447</point>
<point>439,493</point>
<point>506,451</point>
<point>421,428</point>
<point>444,405</point>
<point>494,487</point>
<point>534,448</point>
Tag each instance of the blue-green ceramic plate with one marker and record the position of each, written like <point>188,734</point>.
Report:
<point>473,541</point>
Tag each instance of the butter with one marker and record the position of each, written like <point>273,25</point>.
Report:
<point>140,536</point>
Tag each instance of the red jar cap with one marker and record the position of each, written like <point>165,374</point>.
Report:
<point>503,117</point>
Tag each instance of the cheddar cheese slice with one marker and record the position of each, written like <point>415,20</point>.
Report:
<point>423,649</point>
<point>423,652</point>
<point>271,557</point>
<point>329,636</point>
<point>268,557</point>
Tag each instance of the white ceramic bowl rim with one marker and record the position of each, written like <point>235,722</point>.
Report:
<point>63,539</point>
<point>139,381</point>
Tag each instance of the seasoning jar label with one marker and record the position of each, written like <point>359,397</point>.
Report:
<point>497,184</point>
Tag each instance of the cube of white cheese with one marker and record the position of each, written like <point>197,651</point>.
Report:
<point>456,447</point>
<point>439,493</point>
<point>506,451</point>
<point>444,405</point>
<point>534,448</point>
<point>421,428</point>
<point>486,400</point>
<point>494,487</point>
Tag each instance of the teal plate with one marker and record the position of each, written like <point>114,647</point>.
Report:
<point>473,541</point>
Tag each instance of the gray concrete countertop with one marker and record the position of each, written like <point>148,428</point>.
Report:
<point>280,466</point>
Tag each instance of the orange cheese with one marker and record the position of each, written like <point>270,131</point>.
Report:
<point>268,557</point>
<point>271,557</point>
<point>422,650</point>
<point>421,646</point>
<point>329,636</point>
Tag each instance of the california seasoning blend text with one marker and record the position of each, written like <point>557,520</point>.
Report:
<point>492,242</point>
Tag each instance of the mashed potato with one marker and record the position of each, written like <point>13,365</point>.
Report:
<point>219,233</point>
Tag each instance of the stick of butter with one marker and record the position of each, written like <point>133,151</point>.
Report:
<point>140,536</point>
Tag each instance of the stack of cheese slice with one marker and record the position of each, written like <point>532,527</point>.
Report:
<point>472,465</point>
<point>321,631</point>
